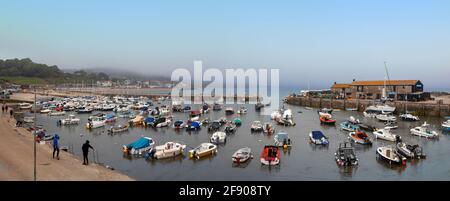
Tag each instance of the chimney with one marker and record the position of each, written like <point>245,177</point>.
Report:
<point>334,82</point>
<point>354,79</point>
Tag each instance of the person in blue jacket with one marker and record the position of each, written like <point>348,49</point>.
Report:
<point>56,146</point>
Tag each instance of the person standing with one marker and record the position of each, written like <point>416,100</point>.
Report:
<point>56,146</point>
<point>85,149</point>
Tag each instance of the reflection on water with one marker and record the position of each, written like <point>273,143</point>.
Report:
<point>303,161</point>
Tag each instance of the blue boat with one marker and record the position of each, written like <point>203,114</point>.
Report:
<point>194,125</point>
<point>139,146</point>
<point>348,126</point>
<point>317,137</point>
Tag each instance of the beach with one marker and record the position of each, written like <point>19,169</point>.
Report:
<point>16,160</point>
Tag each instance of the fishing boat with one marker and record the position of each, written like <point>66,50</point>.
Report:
<point>389,154</point>
<point>345,155</point>
<point>386,117</point>
<point>118,129</point>
<point>410,151</point>
<point>70,120</point>
<point>214,126</point>
<point>446,125</point>
<point>193,125</point>
<point>96,122</point>
<point>139,146</point>
<point>360,137</point>
<point>205,149</point>
<point>347,126</point>
<point>268,128</point>
<point>282,139</point>
<point>219,138</point>
<point>424,131</point>
<point>409,117</point>
<point>55,113</point>
<point>270,155</point>
<point>326,120</point>
<point>230,128</point>
<point>242,155</point>
<point>178,124</point>
<point>385,134</point>
<point>168,150</point>
<point>256,126</point>
<point>317,137</point>
<point>229,111</point>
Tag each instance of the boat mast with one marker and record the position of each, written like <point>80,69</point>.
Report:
<point>387,74</point>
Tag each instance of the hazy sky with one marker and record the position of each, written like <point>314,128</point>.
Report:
<point>321,41</point>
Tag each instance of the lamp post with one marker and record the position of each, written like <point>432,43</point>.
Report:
<point>35,132</point>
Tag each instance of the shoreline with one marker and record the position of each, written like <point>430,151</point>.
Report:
<point>16,160</point>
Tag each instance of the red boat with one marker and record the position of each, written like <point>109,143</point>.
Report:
<point>326,120</point>
<point>270,155</point>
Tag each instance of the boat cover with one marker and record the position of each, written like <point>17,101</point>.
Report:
<point>149,120</point>
<point>141,143</point>
<point>317,135</point>
<point>195,124</point>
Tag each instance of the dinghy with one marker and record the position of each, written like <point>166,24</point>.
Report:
<point>205,149</point>
<point>390,155</point>
<point>270,155</point>
<point>118,129</point>
<point>242,110</point>
<point>214,126</point>
<point>194,125</point>
<point>237,122</point>
<point>219,138</point>
<point>179,124</point>
<point>317,137</point>
<point>347,126</point>
<point>345,155</point>
<point>138,147</point>
<point>230,128</point>
<point>256,126</point>
<point>360,137</point>
<point>326,120</point>
<point>242,155</point>
<point>424,131</point>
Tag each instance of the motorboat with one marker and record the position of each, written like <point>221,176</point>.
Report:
<point>55,113</point>
<point>380,109</point>
<point>424,131</point>
<point>369,115</point>
<point>205,149</point>
<point>386,117</point>
<point>268,128</point>
<point>256,126</point>
<point>139,146</point>
<point>28,119</point>
<point>230,128</point>
<point>326,120</point>
<point>347,126</point>
<point>258,106</point>
<point>194,115</point>
<point>205,108</point>
<point>84,111</point>
<point>179,124</point>
<point>237,121</point>
<point>25,106</point>
<point>410,151</point>
<point>325,112</point>
<point>161,122</point>
<point>138,120</point>
<point>282,140</point>
<point>70,120</point>
<point>45,111</point>
<point>345,155</point>
<point>168,150</point>
<point>118,129</point>
<point>242,110</point>
<point>409,117</point>
<point>360,137</point>
<point>193,125</point>
<point>96,122</point>
<point>214,126</point>
<point>242,155</point>
<point>270,155</point>
<point>385,134</point>
<point>229,111</point>
<point>219,138</point>
<point>389,154</point>
<point>285,122</point>
<point>317,137</point>
<point>446,125</point>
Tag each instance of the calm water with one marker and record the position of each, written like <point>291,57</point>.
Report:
<point>303,162</point>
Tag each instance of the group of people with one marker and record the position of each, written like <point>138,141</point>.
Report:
<point>85,148</point>
<point>5,109</point>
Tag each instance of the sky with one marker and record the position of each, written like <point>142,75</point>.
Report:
<point>318,41</point>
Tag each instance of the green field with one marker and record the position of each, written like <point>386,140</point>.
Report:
<point>23,80</point>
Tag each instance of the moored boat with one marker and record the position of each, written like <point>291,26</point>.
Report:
<point>347,126</point>
<point>360,137</point>
<point>203,150</point>
<point>282,139</point>
<point>270,155</point>
<point>317,137</point>
<point>385,134</point>
<point>446,125</point>
<point>168,150</point>
<point>70,120</point>
<point>389,154</point>
<point>118,129</point>
<point>219,138</point>
<point>242,155</point>
<point>345,155</point>
<point>424,131</point>
<point>327,120</point>
<point>410,151</point>
<point>139,146</point>
<point>409,117</point>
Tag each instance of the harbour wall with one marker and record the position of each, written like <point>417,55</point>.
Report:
<point>436,109</point>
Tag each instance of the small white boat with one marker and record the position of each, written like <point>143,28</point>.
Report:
<point>256,126</point>
<point>409,117</point>
<point>380,108</point>
<point>386,117</point>
<point>25,106</point>
<point>139,146</point>
<point>219,137</point>
<point>45,111</point>
<point>71,120</point>
<point>424,131</point>
<point>229,111</point>
<point>28,119</point>
<point>55,113</point>
<point>243,110</point>
<point>204,149</point>
<point>385,134</point>
<point>118,128</point>
<point>168,150</point>
<point>275,115</point>
<point>369,115</point>
<point>242,155</point>
<point>389,154</point>
<point>446,125</point>
<point>96,122</point>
